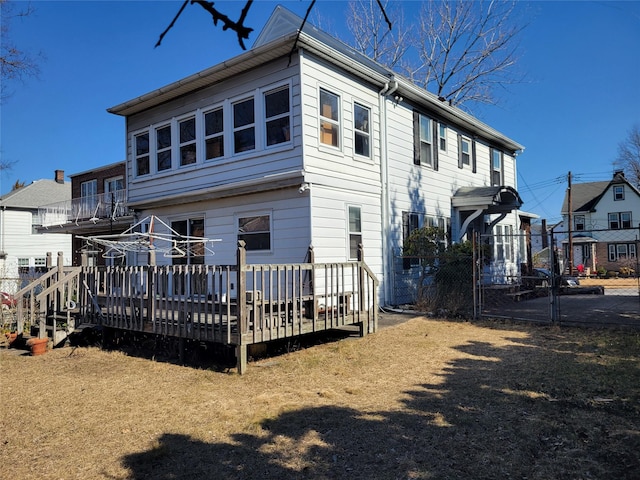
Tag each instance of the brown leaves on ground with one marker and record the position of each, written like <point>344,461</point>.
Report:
<point>421,399</point>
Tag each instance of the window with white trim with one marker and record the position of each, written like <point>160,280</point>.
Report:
<point>23,265</point>
<point>497,167</point>
<point>187,130</point>
<point>424,141</point>
<point>442,137</point>
<point>361,132</point>
<point>355,231</point>
<point>142,153</point>
<point>214,133</point>
<point>114,184</point>
<point>621,251</point>
<point>618,192</point>
<point>255,231</point>
<point>410,222</point>
<point>619,220</point>
<point>40,264</point>
<point>499,240</point>
<point>277,116</point>
<point>163,148</point>
<point>578,222</point>
<point>244,127</point>
<point>465,152</point>
<point>329,118</point>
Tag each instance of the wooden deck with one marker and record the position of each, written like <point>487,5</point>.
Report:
<point>236,305</point>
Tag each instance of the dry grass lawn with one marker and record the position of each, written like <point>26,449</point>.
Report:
<point>424,399</point>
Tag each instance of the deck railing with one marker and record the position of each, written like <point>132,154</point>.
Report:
<point>235,305</point>
<point>93,207</point>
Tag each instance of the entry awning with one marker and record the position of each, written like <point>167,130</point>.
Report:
<point>497,199</point>
<point>485,201</point>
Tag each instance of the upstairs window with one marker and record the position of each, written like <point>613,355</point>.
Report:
<point>214,133</point>
<point>618,192</point>
<point>355,231</point>
<point>142,153</point>
<point>113,184</point>
<point>244,127</point>
<point>464,157</point>
<point>619,220</point>
<point>578,222</point>
<point>497,167</point>
<point>423,141</point>
<point>329,118</point>
<point>442,137</point>
<point>163,148</point>
<point>361,130</point>
<point>277,116</point>
<point>187,130</point>
<point>255,231</point>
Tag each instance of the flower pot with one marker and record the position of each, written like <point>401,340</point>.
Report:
<point>37,346</point>
<point>11,338</point>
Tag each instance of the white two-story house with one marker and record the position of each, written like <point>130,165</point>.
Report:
<point>604,224</point>
<point>302,141</point>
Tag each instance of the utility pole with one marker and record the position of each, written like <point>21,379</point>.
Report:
<point>570,205</point>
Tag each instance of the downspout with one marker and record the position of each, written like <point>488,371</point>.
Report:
<point>387,264</point>
<point>304,180</point>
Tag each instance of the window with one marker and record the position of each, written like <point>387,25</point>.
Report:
<point>113,184</point>
<point>163,148</point>
<point>187,129</point>
<point>499,243</point>
<point>255,231</point>
<point>619,220</point>
<point>410,222</point>
<point>89,199</point>
<point>424,141</point>
<point>496,167</point>
<point>618,192</point>
<point>23,266</point>
<point>578,222</point>
<point>355,231</point>
<point>40,264</point>
<point>621,251</point>
<point>465,152</point>
<point>277,116</point>
<point>442,137</point>
<point>244,128</point>
<point>194,253</point>
<point>329,118</point>
<point>361,130</point>
<point>586,251</point>
<point>89,188</point>
<point>214,133</point>
<point>142,153</point>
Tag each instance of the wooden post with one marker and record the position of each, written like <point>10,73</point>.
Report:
<point>364,325</point>
<point>243,320</point>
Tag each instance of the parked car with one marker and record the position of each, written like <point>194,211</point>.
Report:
<point>542,278</point>
<point>8,301</point>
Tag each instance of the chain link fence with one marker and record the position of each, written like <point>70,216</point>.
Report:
<point>584,278</point>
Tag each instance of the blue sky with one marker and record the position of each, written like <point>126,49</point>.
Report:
<point>580,98</point>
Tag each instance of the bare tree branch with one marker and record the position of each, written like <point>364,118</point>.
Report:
<point>227,24</point>
<point>15,64</point>
<point>629,155</point>
<point>463,51</point>
<point>370,36</point>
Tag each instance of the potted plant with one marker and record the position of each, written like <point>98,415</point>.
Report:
<point>37,346</point>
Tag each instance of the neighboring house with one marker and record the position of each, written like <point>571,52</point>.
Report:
<point>604,224</point>
<point>23,250</point>
<point>303,141</point>
<point>97,207</point>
